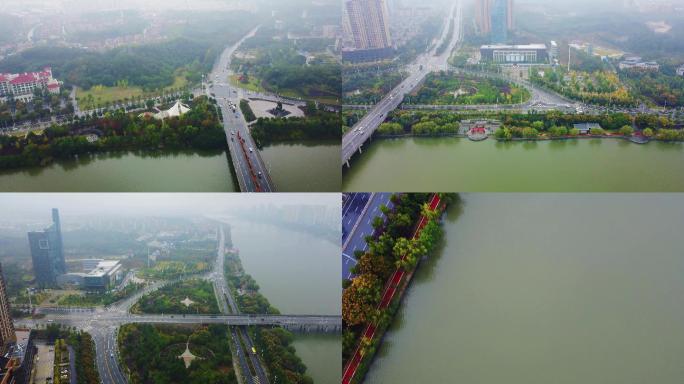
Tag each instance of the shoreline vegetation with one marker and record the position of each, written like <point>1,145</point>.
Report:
<point>199,129</point>
<point>530,127</point>
<point>274,344</point>
<point>317,124</point>
<point>396,245</point>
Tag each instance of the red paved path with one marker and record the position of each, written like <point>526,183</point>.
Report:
<point>387,297</point>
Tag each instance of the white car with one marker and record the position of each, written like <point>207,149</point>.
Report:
<point>251,149</point>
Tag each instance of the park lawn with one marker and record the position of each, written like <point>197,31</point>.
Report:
<point>254,84</point>
<point>439,88</point>
<point>306,95</point>
<point>101,94</point>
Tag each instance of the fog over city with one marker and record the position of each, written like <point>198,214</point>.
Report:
<point>35,206</point>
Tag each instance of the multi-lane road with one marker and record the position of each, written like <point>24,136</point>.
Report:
<point>359,211</point>
<point>427,62</point>
<point>103,324</point>
<point>250,169</point>
<point>242,343</point>
<point>391,288</point>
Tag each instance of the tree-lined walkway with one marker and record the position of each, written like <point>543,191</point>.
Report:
<point>391,289</point>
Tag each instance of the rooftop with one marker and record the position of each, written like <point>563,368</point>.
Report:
<point>505,46</point>
<point>26,77</point>
<point>103,268</point>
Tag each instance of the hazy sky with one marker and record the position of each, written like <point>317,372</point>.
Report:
<point>160,204</point>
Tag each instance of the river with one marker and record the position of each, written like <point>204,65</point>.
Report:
<point>298,273</point>
<point>537,289</point>
<point>294,167</point>
<point>453,164</point>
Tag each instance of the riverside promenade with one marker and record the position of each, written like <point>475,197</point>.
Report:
<point>391,289</point>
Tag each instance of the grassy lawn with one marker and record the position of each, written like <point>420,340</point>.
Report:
<point>446,88</point>
<point>170,299</point>
<point>254,84</point>
<point>101,94</point>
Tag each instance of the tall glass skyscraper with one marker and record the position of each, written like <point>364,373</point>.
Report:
<point>47,252</point>
<point>499,34</point>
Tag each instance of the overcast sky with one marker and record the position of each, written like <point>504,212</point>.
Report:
<point>30,205</point>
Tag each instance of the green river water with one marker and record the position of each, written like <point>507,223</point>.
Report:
<point>539,289</point>
<point>299,274</point>
<point>453,164</point>
<point>294,167</point>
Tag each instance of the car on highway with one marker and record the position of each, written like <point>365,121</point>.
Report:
<point>254,350</point>
<point>260,175</point>
<point>251,149</point>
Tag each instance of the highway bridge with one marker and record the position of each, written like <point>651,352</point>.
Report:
<point>318,323</point>
<point>250,169</point>
<point>352,141</point>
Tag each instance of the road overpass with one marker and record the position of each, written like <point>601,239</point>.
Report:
<point>103,324</point>
<point>430,61</point>
<point>250,169</point>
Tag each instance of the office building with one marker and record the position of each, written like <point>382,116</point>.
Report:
<point>366,28</point>
<point>499,34</point>
<point>514,54</point>
<point>47,253</point>
<point>98,275</point>
<point>680,71</point>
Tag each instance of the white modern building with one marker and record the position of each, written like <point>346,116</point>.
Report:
<point>98,275</point>
<point>635,63</point>
<point>512,54</point>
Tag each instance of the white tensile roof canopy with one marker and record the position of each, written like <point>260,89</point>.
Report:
<point>178,109</point>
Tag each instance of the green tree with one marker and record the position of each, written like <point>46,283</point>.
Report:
<point>626,130</point>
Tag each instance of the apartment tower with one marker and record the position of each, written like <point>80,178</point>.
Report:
<point>7,332</point>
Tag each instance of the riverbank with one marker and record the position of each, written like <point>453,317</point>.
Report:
<point>425,236</point>
<point>632,139</point>
<point>161,171</point>
<point>454,164</point>
<point>274,345</point>
<point>497,311</point>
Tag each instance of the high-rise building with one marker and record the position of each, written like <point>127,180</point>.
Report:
<point>366,26</point>
<point>7,332</point>
<point>47,252</point>
<point>499,34</point>
<point>494,18</point>
<point>483,16</point>
<point>369,23</point>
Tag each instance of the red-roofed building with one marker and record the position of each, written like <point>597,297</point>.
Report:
<point>22,85</point>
